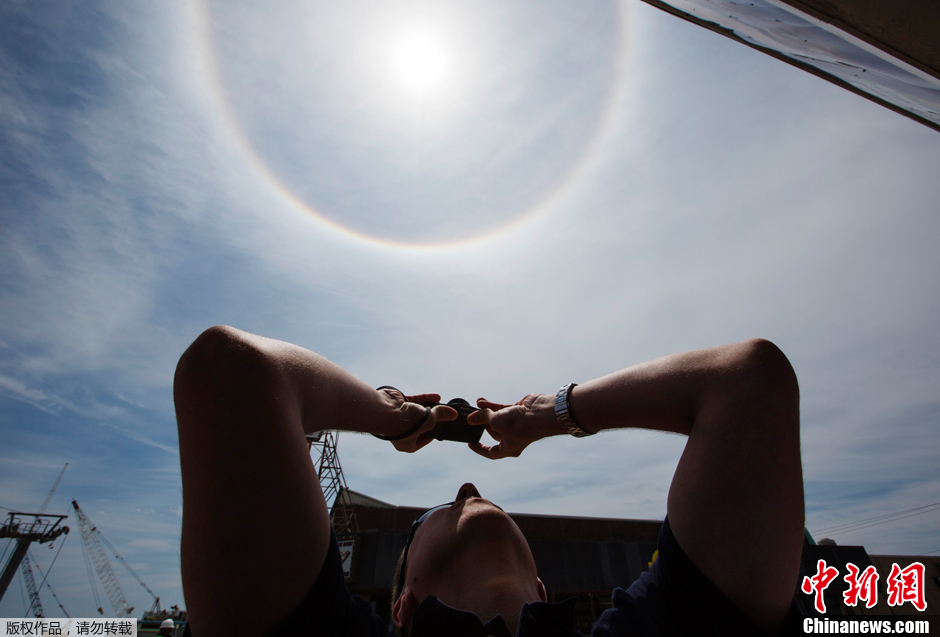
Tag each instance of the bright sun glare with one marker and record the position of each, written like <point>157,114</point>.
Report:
<point>420,62</point>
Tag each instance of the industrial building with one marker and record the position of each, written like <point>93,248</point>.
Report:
<point>588,557</point>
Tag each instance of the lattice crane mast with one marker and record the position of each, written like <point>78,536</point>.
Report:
<point>92,538</point>
<point>35,604</point>
<point>99,560</point>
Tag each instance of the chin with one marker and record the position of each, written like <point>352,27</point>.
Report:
<point>483,517</point>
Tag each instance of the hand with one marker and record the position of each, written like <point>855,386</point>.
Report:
<point>407,411</point>
<point>514,427</point>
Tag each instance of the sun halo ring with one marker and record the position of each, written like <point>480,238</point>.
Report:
<point>201,20</point>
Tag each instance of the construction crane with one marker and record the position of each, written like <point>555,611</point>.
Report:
<point>35,604</point>
<point>55,485</point>
<point>92,539</point>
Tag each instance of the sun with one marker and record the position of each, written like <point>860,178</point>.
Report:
<point>420,62</point>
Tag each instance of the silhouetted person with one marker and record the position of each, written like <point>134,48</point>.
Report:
<point>729,550</point>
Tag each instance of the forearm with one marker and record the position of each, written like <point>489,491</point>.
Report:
<point>670,393</point>
<point>228,366</point>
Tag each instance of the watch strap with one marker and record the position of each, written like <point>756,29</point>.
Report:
<point>563,412</point>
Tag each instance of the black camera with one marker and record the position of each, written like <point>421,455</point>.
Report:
<point>457,430</point>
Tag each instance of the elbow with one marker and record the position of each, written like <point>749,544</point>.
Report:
<point>765,367</point>
<point>221,363</point>
<point>206,354</point>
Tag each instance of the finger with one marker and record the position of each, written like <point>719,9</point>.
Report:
<point>412,444</point>
<point>443,413</point>
<point>480,417</point>
<point>424,399</point>
<point>417,439</point>
<point>493,453</point>
<point>483,403</point>
<point>397,394</point>
<point>426,418</point>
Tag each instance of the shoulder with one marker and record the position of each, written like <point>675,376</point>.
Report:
<point>673,598</point>
<point>329,608</point>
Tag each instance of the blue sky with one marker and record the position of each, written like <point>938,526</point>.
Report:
<point>574,192</point>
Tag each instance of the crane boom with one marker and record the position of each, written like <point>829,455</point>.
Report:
<point>100,561</point>
<point>35,604</point>
<point>55,486</point>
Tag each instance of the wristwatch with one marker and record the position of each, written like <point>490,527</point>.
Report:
<point>563,412</point>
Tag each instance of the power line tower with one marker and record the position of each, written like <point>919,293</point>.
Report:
<point>333,482</point>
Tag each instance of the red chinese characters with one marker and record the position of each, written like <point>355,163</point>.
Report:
<point>907,585</point>
<point>902,585</point>
<point>818,583</point>
<point>861,587</point>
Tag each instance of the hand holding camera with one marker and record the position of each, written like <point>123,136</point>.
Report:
<point>458,430</point>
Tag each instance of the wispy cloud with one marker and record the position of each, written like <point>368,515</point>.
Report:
<point>38,399</point>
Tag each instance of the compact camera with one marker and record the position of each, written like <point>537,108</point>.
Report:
<point>457,430</point>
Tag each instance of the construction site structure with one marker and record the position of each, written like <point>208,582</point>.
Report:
<point>94,552</point>
<point>333,482</point>
<point>26,528</point>
<point>93,538</point>
<point>35,604</point>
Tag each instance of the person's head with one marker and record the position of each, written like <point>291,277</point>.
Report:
<point>166,627</point>
<point>470,555</point>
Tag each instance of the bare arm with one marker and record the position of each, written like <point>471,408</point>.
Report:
<point>736,499</point>
<point>255,523</point>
